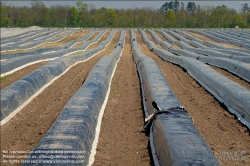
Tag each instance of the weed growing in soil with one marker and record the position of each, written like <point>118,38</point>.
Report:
<point>4,78</point>
<point>112,92</point>
<point>56,36</point>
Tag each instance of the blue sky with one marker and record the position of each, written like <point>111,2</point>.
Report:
<point>131,4</point>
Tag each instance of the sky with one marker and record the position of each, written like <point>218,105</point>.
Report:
<point>133,4</point>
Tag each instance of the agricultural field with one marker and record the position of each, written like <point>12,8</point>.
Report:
<point>114,96</point>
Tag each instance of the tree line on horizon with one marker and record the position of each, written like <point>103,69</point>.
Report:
<point>172,14</point>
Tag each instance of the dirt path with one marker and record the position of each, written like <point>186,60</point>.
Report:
<point>221,130</point>
<point>121,140</point>
<point>202,37</point>
<point>232,77</point>
<point>26,129</point>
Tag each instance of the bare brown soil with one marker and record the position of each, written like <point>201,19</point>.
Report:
<point>121,140</point>
<point>77,44</point>
<point>25,44</point>
<point>104,37</point>
<point>92,37</point>
<point>46,45</point>
<point>202,37</point>
<point>221,130</point>
<point>60,34</point>
<point>164,39</point>
<point>177,46</point>
<point>113,42</point>
<point>27,128</point>
<point>232,77</point>
<point>13,51</point>
<point>74,36</point>
<point>9,79</point>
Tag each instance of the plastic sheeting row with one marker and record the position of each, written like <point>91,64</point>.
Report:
<point>234,96</point>
<point>73,42</point>
<point>35,43</point>
<point>226,37</point>
<point>41,36</point>
<point>238,68</point>
<point>45,35</point>
<point>174,140</point>
<point>75,128</point>
<point>215,46</point>
<point>239,34</point>
<point>201,49</point>
<point>234,37</point>
<point>12,64</point>
<point>46,50</point>
<point>223,39</point>
<point>20,36</point>
<point>241,69</point>
<point>19,92</point>
<point>204,45</point>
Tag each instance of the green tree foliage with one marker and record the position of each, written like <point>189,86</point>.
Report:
<point>47,16</point>
<point>82,10</point>
<point>246,18</point>
<point>1,9</point>
<point>111,17</point>
<point>177,14</point>
<point>81,7</point>
<point>38,10</point>
<point>1,14</point>
<point>5,20</point>
<point>237,20</point>
<point>170,19</point>
<point>108,17</point>
<point>73,16</point>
